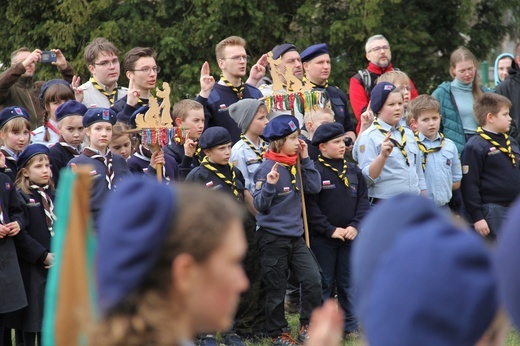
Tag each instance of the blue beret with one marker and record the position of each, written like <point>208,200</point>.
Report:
<point>12,112</point>
<point>506,263</point>
<point>141,110</point>
<point>314,51</point>
<point>129,243</point>
<point>95,115</point>
<point>372,243</point>
<point>379,95</point>
<point>214,136</point>
<point>30,151</point>
<point>326,132</point>
<point>280,127</point>
<point>69,108</point>
<point>280,50</point>
<point>46,86</point>
<point>433,277</point>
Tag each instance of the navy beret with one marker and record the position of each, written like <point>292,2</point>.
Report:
<point>280,127</point>
<point>280,50</point>
<point>141,110</point>
<point>69,108</point>
<point>213,136</point>
<point>129,243</point>
<point>95,115</point>
<point>314,51</point>
<point>9,113</point>
<point>506,263</point>
<point>326,132</point>
<point>30,151</point>
<point>379,95</point>
<point>434,276</point>
<point>46,86</point>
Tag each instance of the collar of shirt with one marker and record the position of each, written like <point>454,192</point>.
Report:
<point>425,139</point>
<point>388,127</point>
<point>9,151</point>
<point>98,152</point>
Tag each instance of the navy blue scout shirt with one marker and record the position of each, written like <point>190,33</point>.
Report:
<point>339,105</point>
<point>98,175</point>
<point>279,206</point>
<point>139,163</point>
<point>11,169</point>
<point>33,243</point>
<point>185,163</point>
<point>337,205</point>
<point>488,174</point>
<point>59,156</point>
<point>203,175</point>
<point>124,111</point>
<point>220,98</point>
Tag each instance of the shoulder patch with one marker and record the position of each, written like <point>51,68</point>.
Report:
<point>362,148</point>
<point>258,185</point>
<point>465,169</point>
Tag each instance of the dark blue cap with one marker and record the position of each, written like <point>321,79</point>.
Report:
<point>379,95</point>
<point>129,243</point>
<point>30,151</point>
<point>69,108</point>
<point>9,113</point>
<point>46,86</point>
<point>434,275</point>
<point>314,51</point>
<point>279,127</point>
<point>95,115</point>
<point>214,136</point>
<point>507,263</point>
<point>326,132</point>
<point>141,110</point>
<point>280,50</point>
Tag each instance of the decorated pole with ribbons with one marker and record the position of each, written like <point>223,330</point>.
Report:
<point>291,94</point>
<point>156,125</point>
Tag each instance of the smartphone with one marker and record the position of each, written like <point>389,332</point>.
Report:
<point>48,56</point>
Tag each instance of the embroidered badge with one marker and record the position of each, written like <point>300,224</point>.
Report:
<point>448,162</point>
<point>292,125</point>
<point>286,189</point>
<point>18,111</point>
<point>258,185</point>
<point>92,173</point>
<point>8,186</point>
<point>465,169</point>
<point>209,184</point>
<point>326,182</point>
<point>106,115</point>
<point>388,87</point>
<point>362,148</point>
<point>353,188</point>
<point>145,170</point>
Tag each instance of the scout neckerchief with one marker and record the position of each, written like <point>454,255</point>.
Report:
<point>199,155</point>
<point>314,85</point>
<point>71,149</point>
<point>259,153</point>
<point>8,155</point>
<point>238,90</point>
<point>106,160</point>
<point>51,127</point>
<point>48,206</point>
<point>145,154</point>
<point>426,151</point>
<point>401,145</point>
<point>111,96</point>
<point>508,151</point>
<point>231,183</point>
<point>289,162</point>
<point>342,175</point>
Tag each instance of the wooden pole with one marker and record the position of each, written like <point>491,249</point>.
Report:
<point>159,169</point>
<point>304,209</point>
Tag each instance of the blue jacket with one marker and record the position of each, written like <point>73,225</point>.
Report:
<point>279,206</point>
<point>451,124</point>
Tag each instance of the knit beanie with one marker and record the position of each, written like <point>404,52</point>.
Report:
<point>244,111</point>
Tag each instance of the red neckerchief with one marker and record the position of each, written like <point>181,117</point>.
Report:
<point>287,159</point>
<point>52,128</point>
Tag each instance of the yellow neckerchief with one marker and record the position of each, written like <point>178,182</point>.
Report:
<point>425,151</point>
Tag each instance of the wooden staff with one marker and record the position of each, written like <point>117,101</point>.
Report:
<point>304,209</point>
<point>159,166</point>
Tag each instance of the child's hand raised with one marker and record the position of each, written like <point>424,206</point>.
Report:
<point>303,149</point>
<point>273,176</point>
<point>190,146</point>
<point>386,146</point>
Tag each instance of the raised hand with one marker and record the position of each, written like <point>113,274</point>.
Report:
<point>258,70</point>
<point>61,61</point>
<point>386,146</point>
<point>32,58</point>
<point>76,86</point>
<point>206,81</point>
<point>303,149</point>
<point>273,175</point>
<point>190,146</point>
<point>133,94</point>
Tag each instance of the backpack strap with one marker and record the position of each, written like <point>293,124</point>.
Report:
<point>366,79</point>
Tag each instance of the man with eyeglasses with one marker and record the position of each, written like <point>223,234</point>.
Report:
<point>510,88</point>
<point>232,61</point>
<point>379,58</point>
<point>17,87</point>
<point>102,60</point>
<point>141,70</point>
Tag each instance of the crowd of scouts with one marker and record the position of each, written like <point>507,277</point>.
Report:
<point>286,171</point>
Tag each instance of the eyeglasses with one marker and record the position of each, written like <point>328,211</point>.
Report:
<point>155,69</point>
<point>379,48</point>
<point>107,63</point>
<point>239,58</point>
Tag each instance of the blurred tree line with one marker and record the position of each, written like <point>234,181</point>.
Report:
<point>184,32</point>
